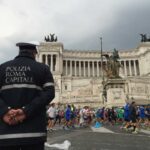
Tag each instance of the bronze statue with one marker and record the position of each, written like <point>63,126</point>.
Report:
<point>51,38</point>
<point>47,39</point>
<point>144,38</point>
<point>113,65</point>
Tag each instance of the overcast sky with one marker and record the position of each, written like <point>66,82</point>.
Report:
<point>77,23</point>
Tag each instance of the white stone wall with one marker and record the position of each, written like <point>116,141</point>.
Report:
<point>138,89</point>
<point>144,55</point>
<point>78,74</point>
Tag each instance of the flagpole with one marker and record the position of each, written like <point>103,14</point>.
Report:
<point>101,40</point>
<point>102,73</point>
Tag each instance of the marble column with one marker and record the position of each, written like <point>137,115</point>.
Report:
<point>57,62</point>
<point>130,69</point>
<point>93,69</point>
<point>46,59</point>
<point>40,58</point>
<point>125,68</point>
<point>66,67</point>
<point>51,62</point>
<point>101,69</point>
<point>75,67</point>
<point>71,67</point>
<point>79,68</point>
<point>97,69</point>
<point>88,69</point>
<point>135,68</point>
<point>84,68</point>
<point>54,62</point>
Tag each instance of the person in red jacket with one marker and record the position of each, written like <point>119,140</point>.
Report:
<point>26,88</point>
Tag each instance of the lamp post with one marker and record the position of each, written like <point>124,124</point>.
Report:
<point>102,73</point>
<point>101,42</point>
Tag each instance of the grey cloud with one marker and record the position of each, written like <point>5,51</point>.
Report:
<point>78,23</point>
<point>123,33</point>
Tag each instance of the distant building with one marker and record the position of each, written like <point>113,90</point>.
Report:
<point>78,73</point>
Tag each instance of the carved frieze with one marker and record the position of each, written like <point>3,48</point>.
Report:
<point>49,49</point>
<point>139,88</point>
<point>86,91</point>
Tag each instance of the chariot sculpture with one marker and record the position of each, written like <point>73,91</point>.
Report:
<point>51,38</point>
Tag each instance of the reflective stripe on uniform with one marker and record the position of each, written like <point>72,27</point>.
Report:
<point>30,86</point>
<point>22,135</point>
<point>48,84</point>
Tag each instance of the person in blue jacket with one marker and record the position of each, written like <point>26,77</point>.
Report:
<point>126,112</point>
<point>141,113</point>
<point>126,115</point>
<point>67,117</point>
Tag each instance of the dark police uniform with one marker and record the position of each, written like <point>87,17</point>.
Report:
<point>29,85</point>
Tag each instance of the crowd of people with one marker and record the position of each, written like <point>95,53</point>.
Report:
<point>130,117</point>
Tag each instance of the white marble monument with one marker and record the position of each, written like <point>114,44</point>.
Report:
<point>78,75</point>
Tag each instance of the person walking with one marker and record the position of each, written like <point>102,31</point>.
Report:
<point>133,116</point>
<point>67,118</point>
<point>51,117</point>
<point>126,123</point>
<point>26,87</point>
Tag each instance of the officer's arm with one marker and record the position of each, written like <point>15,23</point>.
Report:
<point>47,95</point>
<point>3,106</point>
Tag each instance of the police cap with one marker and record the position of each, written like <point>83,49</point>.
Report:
<point>27,46</point>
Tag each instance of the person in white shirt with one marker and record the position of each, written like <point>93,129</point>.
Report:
<point>51,116</point>
<point>81,121</point>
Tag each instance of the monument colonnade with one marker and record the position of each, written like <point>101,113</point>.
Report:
<point>87,68</point>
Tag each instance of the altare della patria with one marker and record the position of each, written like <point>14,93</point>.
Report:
<point>92,78</point>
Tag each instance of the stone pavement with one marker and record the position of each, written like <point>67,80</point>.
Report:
<point>103,138</point>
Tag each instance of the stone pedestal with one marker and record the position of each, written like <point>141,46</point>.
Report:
<point>115,92</point>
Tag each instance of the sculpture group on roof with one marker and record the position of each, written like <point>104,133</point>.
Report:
<point>51,38</point>
<point>144,38</point>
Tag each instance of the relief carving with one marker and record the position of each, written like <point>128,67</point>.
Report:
<point>140,89</point>
<point>117,94</point>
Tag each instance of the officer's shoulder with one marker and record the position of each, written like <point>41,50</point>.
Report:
<point>42,65</point>
<point>6,63</point>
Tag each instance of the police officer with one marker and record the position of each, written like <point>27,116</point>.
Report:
<point>26,87</point>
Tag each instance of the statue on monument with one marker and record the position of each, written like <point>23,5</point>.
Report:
<point>113,65</point>
<point>144,38</point>
<point>51,38</point>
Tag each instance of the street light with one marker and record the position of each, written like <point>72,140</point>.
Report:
<point>102,68</point>
<point>101,42</point>
<point>102,73</point>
